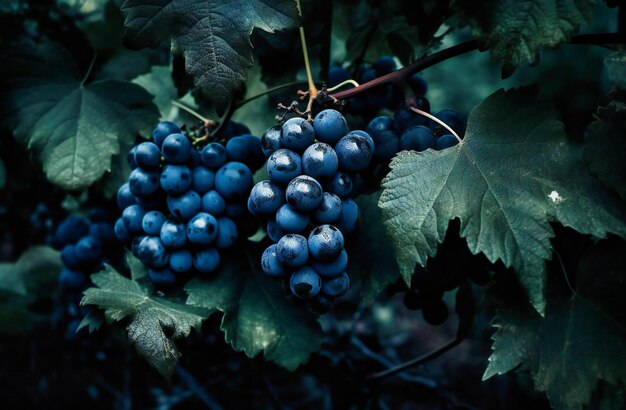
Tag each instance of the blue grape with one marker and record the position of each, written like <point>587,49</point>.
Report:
<point>233,180</point>
<point>175,179</point>
<point>453,120</point>
<point>148,155</point>
<point>271,264</point>
<point>71,229</point>
<point>325,243</point>
<point>293,250</point>
<point>69,257</point>
<point>162,131</point>
<point>143,183</point>
<point>203,180</point>
<point>274,231</point>
<point>304,193</point>
<point>213,203</point>
<point>337,75</point>
<point>320,160</point>
<point>180,260</point>
<point>353,152</point>
<point>296,134</point>
<point>235,210</point>
<point>176,149</point>
<point>214,155</point>
<point>173,234</point>
<point>418,138</point>
<point>329,210</point>
<point>283,166</point>
<point>265,198</point>
<point>349,216</point>
<point>377,97</point>
<point>387,146</point>
<point>132,217</point>
<point>270,141</point>
<point>305,283</point>
<point>125,198</point>
<point>290,220</point>
<point>184,206</point>
<point>445,141</point>
<point>405,118</point>
<point>152,252</point>
<point>130,158</point>
<point>71,279</point>
<point>340,185</point>
<point>227,233</point>
<point>418,84</point>
<point>329,126</point>
<point>151,201</point>
<point>89,250</point>
<point>195,158</point>
<point>103,232</point>
<point>378,126</point>
<point>384,65</point>
<point>366,136</point>
<point>152,222</point>
<point>336,287</point>
<point>206,260</point>
<point>161,276</point>
<point>121,232</point>
<point>202,229</point>
<point>333,268</point>
<point>246,149</point>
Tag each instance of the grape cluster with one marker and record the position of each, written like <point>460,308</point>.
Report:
<point>181,206</point>
<point>307,203</point>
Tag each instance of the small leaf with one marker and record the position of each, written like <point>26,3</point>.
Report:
<point>616,68</point>
<point>75,128</point>
<point>91,321</point>
<point>516,30</point>
<point>514,173</point>
<point>257,316</point>
<point>34,265</point>
<point>212,35</point>
<point>154,321</point>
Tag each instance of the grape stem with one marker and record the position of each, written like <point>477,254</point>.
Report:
<point>207,122</point>
<point>312,92</point>
<point>438,121</point>
<point>399,76</point>
<point>269,91</point>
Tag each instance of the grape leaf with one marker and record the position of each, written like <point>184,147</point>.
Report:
<point>605,147</point>
<point>35,265</point>
<point>616,68</point>
<point>515,30</point>
<point>91,321</point>
<point>371,251</point>
<point>582,339</point>
<point>3,175</point>
<point>74,127</point>
<point>154,321</point>
<point>257,316</point>
<point>212,35</point>
<point>514,174</point>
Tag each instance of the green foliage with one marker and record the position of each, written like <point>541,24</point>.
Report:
<point>581,340</point>
<point>515,30</point>
<point>257,317</point>
<point>38,264</point>
<point>616,68</point>
<point>514,173</point>
<point>154,321</point>
<point>77,127</point>
<point>159,83</point>
<point>212,35</point>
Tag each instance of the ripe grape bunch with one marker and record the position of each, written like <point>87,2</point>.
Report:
<point>181,206</point>
<point>307,203</point>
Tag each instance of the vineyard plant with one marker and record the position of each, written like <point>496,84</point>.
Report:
<point>303,204</point>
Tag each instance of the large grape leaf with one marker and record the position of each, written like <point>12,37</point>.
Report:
<point>580,342</point>
<point>371,251</point>
<point>74,127</point>
<point>212,35</point>
<point>257,316</point>
<point>514,173</point>
<point>515,30</point>
<point>154,320</point>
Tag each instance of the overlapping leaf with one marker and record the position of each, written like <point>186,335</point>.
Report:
<point>212,35</point>
<point>154,321</point>
<point>514,174</point>
<point>515,30</point>
<point>257,317</point>
<point>74,127</point>
<point>35,265</point>
<point>581,341</point>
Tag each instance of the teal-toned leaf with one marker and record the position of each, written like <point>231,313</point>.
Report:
<point>138,270</point>
<point>74,127</point>
<point>212,35</point>
<point>515,30</point>
<point>154,321</point>
<point>605,147</point>
<point>514,173</point>
<point>582,339</point>
<point>3,175</point>
<point>616,67</point>
<point>257,316</point>
<point>92,321</point>
<point>372,257</point>
<point>35,265</point>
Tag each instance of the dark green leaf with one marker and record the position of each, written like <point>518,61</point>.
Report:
<point>582,339</point>
<point>33,266</point>
<point>154,321</point>
<point>212,35</point>
<point>514,174</point>
<point>616,68</point>
<point>91,321</point>
<point>257,317</point>
<point>75,128</point>
<point>515,30</point>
